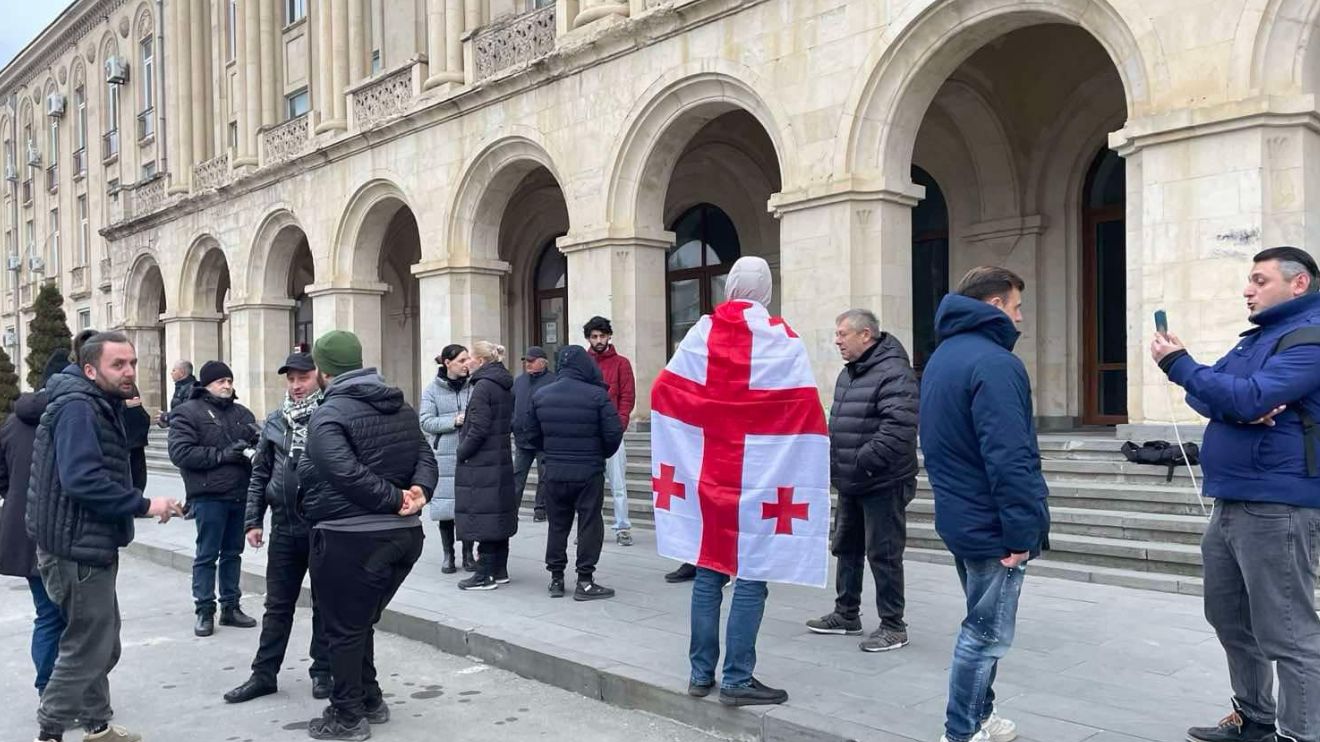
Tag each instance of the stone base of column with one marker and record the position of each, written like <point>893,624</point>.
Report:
<point>444,81</point>
<point>248,161</point>
<point>331,125</point>
<point>611,10</point>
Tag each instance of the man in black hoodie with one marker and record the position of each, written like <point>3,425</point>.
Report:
<point>873,465</point>
<point>367,472</point>
<point>18,555</point>
<point>573,421</point>
<point>209,438</point>
<point>536,374</point>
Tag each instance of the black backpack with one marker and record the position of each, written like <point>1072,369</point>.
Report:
<point>1307,335</point>
<point>1163,453</point>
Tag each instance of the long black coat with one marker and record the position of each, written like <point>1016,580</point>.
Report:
<point>485,502</point>
<point>873,421</point>
<point>18,555</point>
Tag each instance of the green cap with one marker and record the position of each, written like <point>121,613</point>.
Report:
<point>337,352</point>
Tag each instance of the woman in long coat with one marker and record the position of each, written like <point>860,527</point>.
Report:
<point>442,412</point>
<point>485,501</point>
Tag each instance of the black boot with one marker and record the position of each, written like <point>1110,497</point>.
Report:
<point>255,687</point>
<point>684,573</point>
<point>447,542</point>
<point>447,563</point>
<point>234,616</point>
<point>1233,728</point>
<point>333,726</point>
<point>205,625</point>
<point>755,694</point>
<point>469,563</point>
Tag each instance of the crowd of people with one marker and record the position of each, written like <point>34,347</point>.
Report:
<point>334,481</point>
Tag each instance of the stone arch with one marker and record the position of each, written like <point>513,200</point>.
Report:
<point>974,115</point>
<point>144,24</point>
<point>928,43</point>
<point>270,260</point>
<point>145,291</point>
<point>483,193</point>
<point>673,109</point>
<point>356,250</point>
<point>1277,49</point>
<point>204,280</point>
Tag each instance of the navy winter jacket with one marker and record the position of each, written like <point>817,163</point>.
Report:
<point>573,420</point>
<point>1249,462</point>
<point>979,437</point>
<point>523,388</point>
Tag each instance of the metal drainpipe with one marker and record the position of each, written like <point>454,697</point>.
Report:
<point>162,101</point>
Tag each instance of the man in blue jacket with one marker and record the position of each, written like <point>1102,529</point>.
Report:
<point>536,374</point>
<point>1259,458</point>
<point>979,439</point>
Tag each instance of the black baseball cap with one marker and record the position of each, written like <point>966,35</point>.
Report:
<point>298,362</point>
<point>534,353</point>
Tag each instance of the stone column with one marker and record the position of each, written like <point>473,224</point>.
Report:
<point>194,337</point>
<point>270,94</point>
<point>595,10</point>
<point>199,90</point>
<point>444,50</point>
<point>358,42</point>
<point>249,75</point>
<point>355,307</point>
<point>180,116</point>
<point>340,61</point>
<point>472,14</point>
<point>146,340</point>
<point>462,304</point>
<point>622,277</point>
<point>851,248</point>
<point>323,69</point>
<point>262,336</point>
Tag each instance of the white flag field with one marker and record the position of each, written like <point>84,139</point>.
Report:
<point>740,451</point>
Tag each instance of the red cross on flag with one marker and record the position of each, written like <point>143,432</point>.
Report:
<point>739,451</point>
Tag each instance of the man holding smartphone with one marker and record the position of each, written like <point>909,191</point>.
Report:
<point>1259,458</point>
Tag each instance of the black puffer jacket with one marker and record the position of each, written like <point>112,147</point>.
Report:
<point>523,389</point>
<point>206,437</point>
<point>873,421</point>
<point>183,391</point>
<point>137,425</point>
<point>81,507</point>
<point>485,503</point>
<point>573,420</point>
<point>18,555</point>
<point>364,447</point>
<point>274,482</point>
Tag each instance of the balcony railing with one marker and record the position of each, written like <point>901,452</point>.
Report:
<point>110,144</point>
<point>146,125</point>
<point>53,178</point>
<point>384,98</point>
<point>211,174</point>
<point>78,278</point>
<point>80,162</point>
<point>516,41</point>
<point>286,140</point>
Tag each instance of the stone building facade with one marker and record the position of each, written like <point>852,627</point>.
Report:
<point>435,171</point>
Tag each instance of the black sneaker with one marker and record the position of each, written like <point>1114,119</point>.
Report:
<point>377,713</point>
<point>589,590</point>
<point>700,690</point>
<point>833,623</point>
<point>478,582</point>
<point>205,625</point>
<point>237,618</point>
<point>255,687</point>
<point>321,687</point>
<point>1233,728</point>
<point>332,726</point>
<point>502,578</point>
<point>538,515</point>
<point>755,693</point>
<point>556,588</point>
<point>684,573</point>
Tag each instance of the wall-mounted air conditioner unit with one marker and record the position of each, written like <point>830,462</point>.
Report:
<point>55,105</point>
<point>36,264</point>
<point>11,172</point>
<point>33,154</point>
<point>15,262</point>
<point>10,337</point>
<point>116,70</point>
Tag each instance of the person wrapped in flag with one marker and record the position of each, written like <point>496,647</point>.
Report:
<point>740,474</point>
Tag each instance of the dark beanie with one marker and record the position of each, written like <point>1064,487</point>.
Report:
<point>337,352</point>
<point>214,371</point>
<point>58,361</point>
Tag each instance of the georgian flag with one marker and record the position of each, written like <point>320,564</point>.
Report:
<point>740,451</point>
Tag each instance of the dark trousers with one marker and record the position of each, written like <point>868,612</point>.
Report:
<point>447,538</point>
<point>1260,568</point>
<point>355,575</point>
<point>522,466</point>
<point>79,687</point>
<point>46,630</point>
<point>493,558</point>
<point>563,500</point>
<point>286,565</point>
<point>873,530</point>
<point>219,542</point>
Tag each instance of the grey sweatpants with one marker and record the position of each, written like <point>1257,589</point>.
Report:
<point>1260,571</point>
<point>79,688</point>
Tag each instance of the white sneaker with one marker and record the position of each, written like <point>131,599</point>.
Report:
<point>980,736</point>
<point>999,729</point>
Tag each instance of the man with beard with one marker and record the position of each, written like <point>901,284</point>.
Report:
<point>622,388</point>
<point>81,505</point>
<point>275,485</point>
<point>366,474</point>
<point>209,438</point>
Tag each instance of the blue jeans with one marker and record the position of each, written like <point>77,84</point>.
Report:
<point>616,472</point>
<point>745,613</point>
<point>992,592</point>
<point>47,628</point>
<point>219,539</point>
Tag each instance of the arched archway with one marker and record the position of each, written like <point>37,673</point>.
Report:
<point>550,328</point>
<point>202,319</point>
<point>144,307</point>
<point>705,248</point>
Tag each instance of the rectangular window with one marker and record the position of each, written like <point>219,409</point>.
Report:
<point>29,237</point>
<point>84,231</point>
<point>53,261</point>
<point>294,11</point>
<point>149,170</point>
<point>231,30</point>
<point>110,142</point>
<point>80,131</point>
<point>376,20</point>
<point>54,144</point>
<point>298,103</point>
<point>146,122</point>
<point>84,319</point>
<point>233,134</point>
<point>375,62</point>
<point>109,314</point>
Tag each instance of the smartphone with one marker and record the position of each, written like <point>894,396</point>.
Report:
<point>1161,322</point>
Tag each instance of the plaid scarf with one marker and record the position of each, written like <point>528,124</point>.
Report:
<point>296,414</point>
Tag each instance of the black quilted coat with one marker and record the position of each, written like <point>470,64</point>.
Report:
<point>873,421</point>
<point>485,503</point>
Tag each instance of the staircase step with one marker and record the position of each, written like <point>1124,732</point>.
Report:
<point>1145,556</point>
<point>1098,574</point>
<point>1154,527</point>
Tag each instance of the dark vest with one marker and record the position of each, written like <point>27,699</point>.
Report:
<point>59,525</point>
